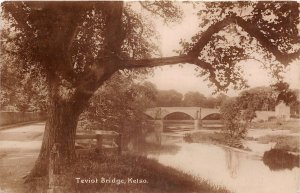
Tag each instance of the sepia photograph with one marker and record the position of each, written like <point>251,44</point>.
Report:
<point>149,96</point>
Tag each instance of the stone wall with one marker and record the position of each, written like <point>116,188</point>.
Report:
<point>8,118</point>
<point>282,111</point>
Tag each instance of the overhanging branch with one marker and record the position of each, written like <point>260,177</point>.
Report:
<point>192,56</point>
<point>252,30</point>
<point>154,62</point>
<point>184,59</point>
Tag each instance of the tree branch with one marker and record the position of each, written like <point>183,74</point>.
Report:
<point>154,62</point>
<point>192,56</point>
<point>252,30</point>
<point>107,63</point>
<point>187,59</point>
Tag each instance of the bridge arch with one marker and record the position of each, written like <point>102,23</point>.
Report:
<point>178,116</point>
<point>213,116</point>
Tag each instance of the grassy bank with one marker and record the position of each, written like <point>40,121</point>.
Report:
<point>286,143</point>
<point>293,125</point>
<point>283,142</point>
<point>154,177</point>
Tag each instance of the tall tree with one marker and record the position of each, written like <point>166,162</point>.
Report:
<point>195,99</point>
<point>168,98</point>
<point>295,106</point>
<point>258,98</point>
<point>284,93</point>
<point>234,122</point>
<point>220,99</point>
<point>77,46</point>
<point>211,102</point>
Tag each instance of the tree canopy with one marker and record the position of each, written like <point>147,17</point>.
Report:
<point>77,42</point>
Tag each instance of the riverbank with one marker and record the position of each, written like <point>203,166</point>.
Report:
<point>282,142</point>
<point>284,135</point>
<point>292,125</point>
<point>127,173</point>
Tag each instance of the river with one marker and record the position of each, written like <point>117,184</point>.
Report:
<point>238,171</point>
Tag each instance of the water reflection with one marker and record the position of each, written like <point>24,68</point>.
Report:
<point>154,145</point>
<point>239,171</point>
<point>232,161</point>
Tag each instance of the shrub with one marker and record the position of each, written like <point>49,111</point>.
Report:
<point>278,159</point>
<point>235,125</point>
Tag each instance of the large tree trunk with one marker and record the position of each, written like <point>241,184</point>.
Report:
<point>60,128</point>
<point>63,114</point>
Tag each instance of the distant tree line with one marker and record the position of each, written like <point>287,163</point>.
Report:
<point>172,98</point>
<point>263,98</point>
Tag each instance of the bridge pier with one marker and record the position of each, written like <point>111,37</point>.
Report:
<point>158,129</point>
<point>159,125</point>
<point>197,124</point>
<point>197,121</point>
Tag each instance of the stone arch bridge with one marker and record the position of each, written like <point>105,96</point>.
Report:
<point>196,113</point>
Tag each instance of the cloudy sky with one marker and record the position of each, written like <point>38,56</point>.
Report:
<point>183,79</point>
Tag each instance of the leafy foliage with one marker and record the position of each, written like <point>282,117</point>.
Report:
<point>227,46</point>
<point>21,90</point>
<point>258,98</point>
<point>194,99</point>
<point>235,127</point>
<point>168,98</point>
<point>119,105</point>
<point>238,112</point>
<point>66,41</point>
<point>284,93</point>
<point>71,43</point>
<point>255,99</point>
<point>172,98</point>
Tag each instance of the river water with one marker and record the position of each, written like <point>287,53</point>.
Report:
<point>238,171</point>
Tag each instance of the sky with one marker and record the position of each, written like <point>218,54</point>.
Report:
<point>184,79</point>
